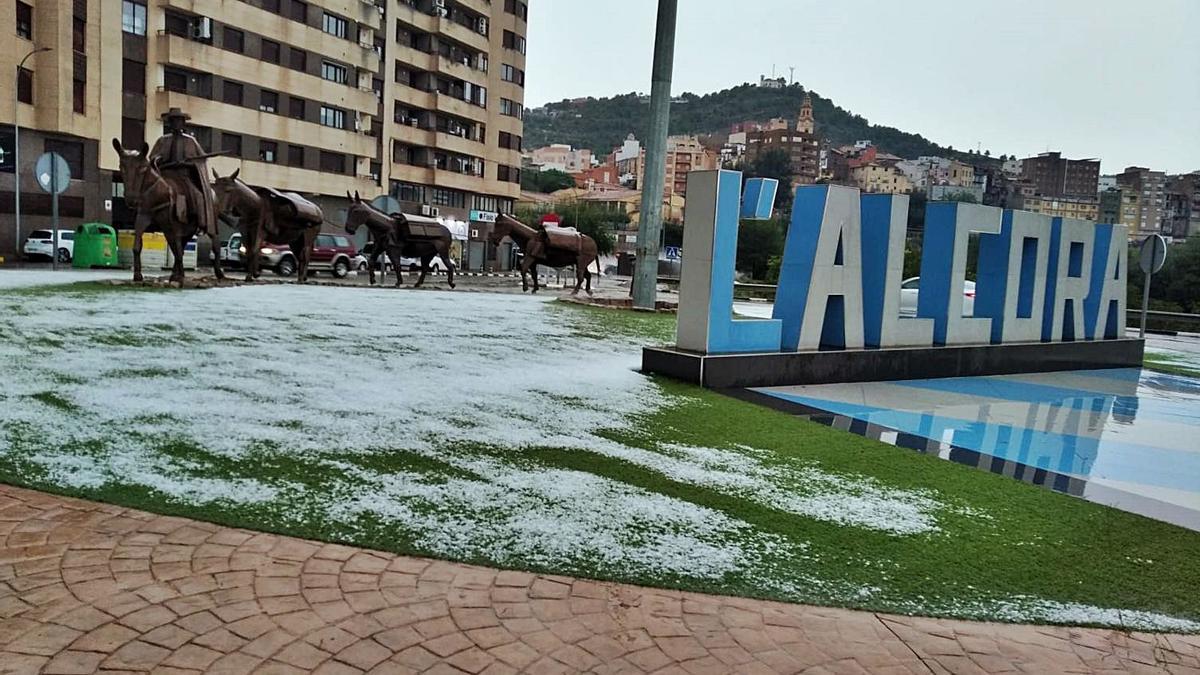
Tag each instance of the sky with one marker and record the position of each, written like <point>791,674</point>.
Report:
<point>1114,79</point>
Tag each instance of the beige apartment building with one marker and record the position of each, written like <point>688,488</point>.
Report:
<point>418,99</point>
<point>1083,208</point>
<point>874,177</point>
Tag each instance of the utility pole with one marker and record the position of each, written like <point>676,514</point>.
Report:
<point>17,153</point>
<point>645,275</point>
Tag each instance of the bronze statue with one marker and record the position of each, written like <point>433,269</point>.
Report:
<point>401,236</point>
<point>165,202</point>
<point>550,246</point>
<point>266,215</point>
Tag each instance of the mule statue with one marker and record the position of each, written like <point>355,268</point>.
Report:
<point>401,236</point>
<point>555,247</point>
<point>168,201</point>
<point>267,215</point>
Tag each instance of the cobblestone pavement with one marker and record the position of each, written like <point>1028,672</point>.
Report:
<point>89,587</point>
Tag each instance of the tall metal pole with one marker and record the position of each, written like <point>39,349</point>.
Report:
<point>17,152</point>
<point>645,275</point>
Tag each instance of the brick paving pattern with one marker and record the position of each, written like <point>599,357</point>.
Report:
<point>90,587</point>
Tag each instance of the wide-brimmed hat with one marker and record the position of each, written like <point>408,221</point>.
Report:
<point>175,113</point>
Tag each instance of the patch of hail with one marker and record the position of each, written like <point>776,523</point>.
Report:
<point>46,277</point>
<point>1028,609</point>
<point>336,375</point>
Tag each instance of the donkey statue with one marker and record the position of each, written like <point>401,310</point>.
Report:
<point>550,246</point>
<point>158,201</point>
<point>267,215</point>
<point>401,236</point>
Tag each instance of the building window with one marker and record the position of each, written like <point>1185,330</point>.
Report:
<point>333,72</point>
<point>24,20</point>
<point>296,108</point>
<point>268,101</point>
<point>271,6</point>
<point>511,74</point>
<point>295,155</point>
<point>514,41</point>
<point>72,151</point>
<point>333,117</point>
<point>133,17</point>
<point>267,150</point>
<point>25,85</point>
<point>175,80</point>
<point>79,96</point>
<point>79,35</point>
<point>234,40</point>
<point>511,108</point>
<point>133,132</point>
<point>298,59</point>
<point>408,192</point>
<point>444,197</point>
<point>299,11</point>
<point>232,93</point>
<point>517,7</point>
<point>270,51</point>
<point>510,141</point>
<point>334,25</point>
<point>232,144</point>
<point>333,162</point>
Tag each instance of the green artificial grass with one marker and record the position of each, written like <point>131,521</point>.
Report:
<point>999,542</point>
<point>1167,363</point>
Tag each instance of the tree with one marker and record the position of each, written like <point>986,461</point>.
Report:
<point>774,163</point>
<point>987,153</point>
<point>758,242</point>
<point>1179,280</point>
<point>959,196</point>
<point>672,233</point>
<point>551,180</point>
<point>590,219</point>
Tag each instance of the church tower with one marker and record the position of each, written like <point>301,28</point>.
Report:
<point>805,123</point>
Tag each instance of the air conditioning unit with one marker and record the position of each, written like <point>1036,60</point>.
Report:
<point>202,30</point>
<point>483,25</point>
<point>429,211</point>
<point>412,121</point>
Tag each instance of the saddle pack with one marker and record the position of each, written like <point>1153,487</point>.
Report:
<point>291,205</point>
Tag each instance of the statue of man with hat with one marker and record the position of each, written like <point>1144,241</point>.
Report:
<point>178,154</point>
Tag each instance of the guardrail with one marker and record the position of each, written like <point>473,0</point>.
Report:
<point>1157,320</point>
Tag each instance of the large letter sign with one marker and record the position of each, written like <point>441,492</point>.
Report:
<point>710,228</point>
<point>1038,278</point>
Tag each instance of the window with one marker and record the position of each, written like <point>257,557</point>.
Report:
<point>271,6</point>
<point>444,197</point>
<point>511,74</point>
<point>234,40</point>
<point>510,174</point>
<point>334,25</point>
<point>79,35</point>
<point>299,11</point>
<point>232,144</point>
<point>333,162</point>
<point>510,141</point>
<point>72,151</point>
<point>514,41</point>
<point>25,85</point>
<point>333,117</point>
<point>232,93</point>
<point>333,72</point>
<point>517,7</point>
<point>510,108</point>
<point>270,51</point>
<point>133,17</point>
<point>133,132</point>
<point>296,108</point>
<point>295,155</point>
<point>79,96</point>
<point>297,59</point>
<point>268,101</point>
<point>267,150</point>
<point>24,20</point>
<point>175,80</point>
<point>407,192</point>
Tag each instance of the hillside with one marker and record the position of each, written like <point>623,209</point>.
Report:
<point>601,124</point>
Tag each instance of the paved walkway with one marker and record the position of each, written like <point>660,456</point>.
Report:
<point>95,588</point>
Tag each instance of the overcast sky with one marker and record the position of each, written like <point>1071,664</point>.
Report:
<point>1114,79</point>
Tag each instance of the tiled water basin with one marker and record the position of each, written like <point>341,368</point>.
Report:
<point>1129,438</point>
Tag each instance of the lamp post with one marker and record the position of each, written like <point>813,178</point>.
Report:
<point>17,151</point>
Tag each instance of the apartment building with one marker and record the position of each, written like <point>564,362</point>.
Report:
<point>321,97</point>
<point>1085,208</point>
<point>685,154</point>
<point>1150,188</point>
<point>800,143</point>
<point>1056,176</point>
<point>876,177</point>
<point>561,157</point>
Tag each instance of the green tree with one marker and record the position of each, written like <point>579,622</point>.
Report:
<point>1179,280</point>
<point>590,219</point>
<point>758,242</point>
<point>672,233</point>
<point>960,196</point>
<point>546,181</point>
<point>916,213</point>
<point>774,163</point>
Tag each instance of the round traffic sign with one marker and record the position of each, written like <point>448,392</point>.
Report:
<point>52,172</point>
<point>1154,254</point>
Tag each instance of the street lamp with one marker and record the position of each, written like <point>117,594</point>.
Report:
<point>17,150</point>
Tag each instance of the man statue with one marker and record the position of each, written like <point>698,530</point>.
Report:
<point>180,159</point>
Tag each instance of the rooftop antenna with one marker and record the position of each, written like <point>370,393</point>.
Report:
<point>772,71</point>
<point>792,77</point>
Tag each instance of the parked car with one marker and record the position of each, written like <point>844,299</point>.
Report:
<point>364,256</point>
<point>414,265</point>
<point>911,287</point>
<point>40,244</point>
<point>333,253</point>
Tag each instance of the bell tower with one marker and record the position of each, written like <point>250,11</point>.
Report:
<point>805,123</point>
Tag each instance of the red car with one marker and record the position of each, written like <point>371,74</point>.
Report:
<point>331,252</point>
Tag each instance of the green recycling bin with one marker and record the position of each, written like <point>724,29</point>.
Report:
<point>95,246</point>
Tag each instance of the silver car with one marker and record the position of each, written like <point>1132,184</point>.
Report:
<point>911,287</point>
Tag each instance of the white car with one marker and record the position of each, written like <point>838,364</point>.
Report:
<point>40,244</point>
<point>414,265</point>
<point>911,287</point>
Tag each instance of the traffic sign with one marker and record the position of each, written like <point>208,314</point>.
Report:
<point>673,252</point>
<point>53,174</point>
<point>1154,254</point>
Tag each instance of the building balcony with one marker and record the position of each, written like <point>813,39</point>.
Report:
<point>294,179</point>
<point>413,57</point>
<point>461,71</point>
<point>411,16</point>
<point>464,34</point>
<point>239,120</point>
<point>204,58</point>
<point>459,108</point>
<point>278,27</point>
